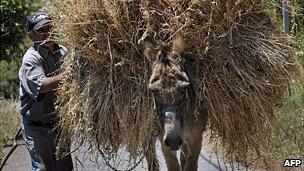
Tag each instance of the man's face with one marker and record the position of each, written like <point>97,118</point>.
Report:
<point>42,34</point>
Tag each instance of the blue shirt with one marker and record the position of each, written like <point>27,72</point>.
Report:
<point>37,64</point>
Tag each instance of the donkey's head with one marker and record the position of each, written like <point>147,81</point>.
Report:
<point>169,83</point>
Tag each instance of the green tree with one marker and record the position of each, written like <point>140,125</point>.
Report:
<point>13,33</point>
<point>297,12</point>
<point>14,42</point>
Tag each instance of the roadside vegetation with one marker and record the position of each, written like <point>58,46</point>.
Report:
<point>9,121</point>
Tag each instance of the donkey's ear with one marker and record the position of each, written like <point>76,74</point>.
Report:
<point>178,44</point>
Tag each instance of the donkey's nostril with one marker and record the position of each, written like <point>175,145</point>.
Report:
<point>167,142</point>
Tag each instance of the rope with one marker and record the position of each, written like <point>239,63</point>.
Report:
<point>11,150</point>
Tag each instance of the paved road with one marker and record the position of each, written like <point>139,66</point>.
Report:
<point>20,161</point>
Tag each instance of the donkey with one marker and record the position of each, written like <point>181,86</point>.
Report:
<point>173,88</point>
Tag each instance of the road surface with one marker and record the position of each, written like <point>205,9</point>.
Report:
<point>20,161</point>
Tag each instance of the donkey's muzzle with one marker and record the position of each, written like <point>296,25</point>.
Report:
<point>174,144</point>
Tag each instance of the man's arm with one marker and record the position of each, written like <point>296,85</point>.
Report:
<point>51,83</point>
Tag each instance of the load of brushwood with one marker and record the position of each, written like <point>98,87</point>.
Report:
<point>243,65</point>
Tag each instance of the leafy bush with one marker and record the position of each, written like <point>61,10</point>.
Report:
<point>298,17</point>
<point>9,83</point>
<point>13,43</point>
<point>296,14</point>
<point>13,16</point>
<point>9,121</point>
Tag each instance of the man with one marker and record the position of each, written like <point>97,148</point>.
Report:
<point>39,76</point>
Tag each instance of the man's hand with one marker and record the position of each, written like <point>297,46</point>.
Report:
<point>51,82</point>
<point>57,72</point>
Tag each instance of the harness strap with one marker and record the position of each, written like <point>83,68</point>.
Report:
<point>41,124</point>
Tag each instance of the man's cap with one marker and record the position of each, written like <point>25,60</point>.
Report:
<point>37,20</point>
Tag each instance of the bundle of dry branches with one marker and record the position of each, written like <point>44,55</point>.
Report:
<point>105,93</point>
<point>243,65</point>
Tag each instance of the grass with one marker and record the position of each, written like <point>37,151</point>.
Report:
<point>9,121</point>
<point>288,141</point>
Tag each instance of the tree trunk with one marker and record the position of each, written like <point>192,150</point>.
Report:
<point>285,12</point>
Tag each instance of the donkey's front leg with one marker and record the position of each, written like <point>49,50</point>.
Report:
<point>194,149</point>
<point>170,158</point>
